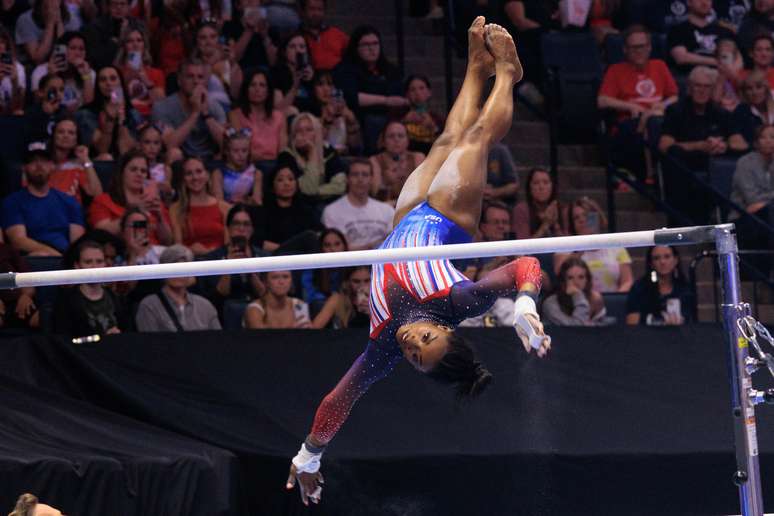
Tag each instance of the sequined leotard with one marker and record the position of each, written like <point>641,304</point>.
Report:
<point>403,293</point>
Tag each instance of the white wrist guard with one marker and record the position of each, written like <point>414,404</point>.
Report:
<point>523,306</point>
<point>306,461</point>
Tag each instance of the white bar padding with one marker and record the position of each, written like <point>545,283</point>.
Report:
<point>341,259</point>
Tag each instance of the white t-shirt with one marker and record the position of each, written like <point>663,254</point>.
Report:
<point>362,225</point>
<point>6,86</point>
<point>605,267</point>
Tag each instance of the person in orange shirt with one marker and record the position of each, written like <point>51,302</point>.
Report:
<point>326,44</point>
<point>638,89</point>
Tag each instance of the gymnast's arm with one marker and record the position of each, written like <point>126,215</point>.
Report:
<point>521,276</point>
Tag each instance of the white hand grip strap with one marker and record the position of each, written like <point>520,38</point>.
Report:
<point>524,306</point>
<point>306,461</point>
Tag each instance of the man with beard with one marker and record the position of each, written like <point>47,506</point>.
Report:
<point>39,220</point>
<point>326,43</point>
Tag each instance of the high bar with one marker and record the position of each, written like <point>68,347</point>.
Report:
<point>678,236</point>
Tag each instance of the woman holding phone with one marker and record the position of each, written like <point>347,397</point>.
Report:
<point>144,83</point>
<point>292,73</point>
<point>68,59</point>
<point>225,78</point>
<point>12,77</point>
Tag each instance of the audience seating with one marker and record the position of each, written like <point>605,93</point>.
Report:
<point>233,312</point>
<point>720,176</point>
<point>615,304</point>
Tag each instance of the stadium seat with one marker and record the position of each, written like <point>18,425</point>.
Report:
<point>12,142</point>
<point>720,176</point>
<point>104,170</point>
<point>574,72</point>
<point>233,311</point>
<point>615,304</point>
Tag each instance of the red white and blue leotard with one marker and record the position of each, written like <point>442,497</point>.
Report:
<point>402,293</point>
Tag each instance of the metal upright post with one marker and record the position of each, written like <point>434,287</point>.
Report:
<point>747,477</point>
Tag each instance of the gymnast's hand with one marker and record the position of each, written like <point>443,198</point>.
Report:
<point>309,484</point>
<point>528,327</point>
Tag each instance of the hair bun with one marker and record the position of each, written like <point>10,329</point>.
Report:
<point>481,379</point>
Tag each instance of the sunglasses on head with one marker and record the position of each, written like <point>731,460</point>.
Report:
<point>233,132</point>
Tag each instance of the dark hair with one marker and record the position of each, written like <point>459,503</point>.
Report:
<point>460,367</point>
<point>237,208</point>
<point>359,161</point>
<point>759,36</point>
<point>324,279</point>
<point>488,205</point>
<point>302,4</point>
<point>37,13</point>
<point>268,186</point>
<point>43,83</point>
<point>565,301</point>
<point>382,64</point>
<point>282,56</point>
<point>59,120</point>
<point>534,222</point>
<point>94,236</point>
<point>651,286</point>
<point>416,77</point>
<point>132,210</point>
<point>244,93</point>
<point>116,189</point>
<point>635,29</point>
<point>84,244</point>
<point>100,99</point>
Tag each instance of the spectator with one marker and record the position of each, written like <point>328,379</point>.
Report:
<point>694,130</point>
<point>152,147</point>
<point>192,120</point>
<point>326,43</point>
<point>238,180</point>
<point>694,41</point>
<point>372,86</point>
<point>292,74</point>
<point>109,123</point>
<point>144,83</point>
<point>249,32</point>
<point>13,80</point>
<point>761,54</point>
<point>284,213</point>
<point>74,173</point>
<point>542,214</point>
<point>662,296</point>
<point>69,61</point>
<point>10,12</point>
<point>322,171</point>
<point>197,216</point>
<point>756,108</point>
<point>172,37</point>
<point>282,16</point>
<point>502,178</point>
<point>255,111</point>
<point>320,284</point>
<point>17,306</point>
<point>639,89</point>
<point>40,117</point>
<point>103,35</point>
<point>611,269</point>
<point>89,308</point>
<point>495,225</point>
<point>394,164</point>
<point>131,186</point>
<point>241,287</point>
<point>730,67</point>
<point>38,28</point>
<point>731,13</point>
<point>604,15</point>
<point>351,306</point>
<point>341,129</point>
<point>225,75</point>
<point>423,125</point>
<point>28,505</point>
<point>277,309</point>
<point>135,225</point>
<point>174,308</point>
<point>529,20</point>
<point>759,20</point>
<point>753,189</point>
<point>364,221</point>
<point>575,302</point>
<point>39,220</point>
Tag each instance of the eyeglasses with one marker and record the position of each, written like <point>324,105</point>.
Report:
<point>372,44</point>
<point>233,132</point>
<point>242,224</point>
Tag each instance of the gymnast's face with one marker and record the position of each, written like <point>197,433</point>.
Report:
<point>423,343</point>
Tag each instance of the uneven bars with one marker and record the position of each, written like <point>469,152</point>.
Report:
<point>687,235</point>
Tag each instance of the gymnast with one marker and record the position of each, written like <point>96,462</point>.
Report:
<point>415,306</point>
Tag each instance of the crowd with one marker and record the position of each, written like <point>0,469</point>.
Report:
<point>204,130</point>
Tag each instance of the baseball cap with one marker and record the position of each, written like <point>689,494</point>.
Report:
<point>35,149</point>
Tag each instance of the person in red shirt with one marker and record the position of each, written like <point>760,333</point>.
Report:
<point>639,89</point>
<point>326,44</point>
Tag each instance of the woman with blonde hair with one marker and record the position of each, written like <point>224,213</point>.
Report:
<point>322,171</point>
<point>198,217</point>
<point>756,108</point>
<point>144,83</point>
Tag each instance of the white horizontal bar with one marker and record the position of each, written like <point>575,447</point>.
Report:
<point>341,259</point>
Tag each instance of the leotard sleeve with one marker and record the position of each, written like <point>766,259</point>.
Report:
<point>470,299</point>
<point>376,362</point>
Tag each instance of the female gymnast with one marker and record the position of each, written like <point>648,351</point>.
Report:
<point>415,306</point>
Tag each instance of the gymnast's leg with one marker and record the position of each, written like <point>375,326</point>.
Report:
<point>457,190</point>
<point>464,112</point>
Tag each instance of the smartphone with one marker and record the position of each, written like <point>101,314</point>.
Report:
<point>134,60</point>
<point>51,94</point>
<point>673,306</point>
<point>60,53</point>
<point>592,221</point>
<point>5,58</point>
<point>302,60</point>
<point>140,224</point>
<point>117,96</point>
<point>239,243</point>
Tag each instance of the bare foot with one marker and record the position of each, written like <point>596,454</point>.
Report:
<point>479,58</point>
<point>502,47</point>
